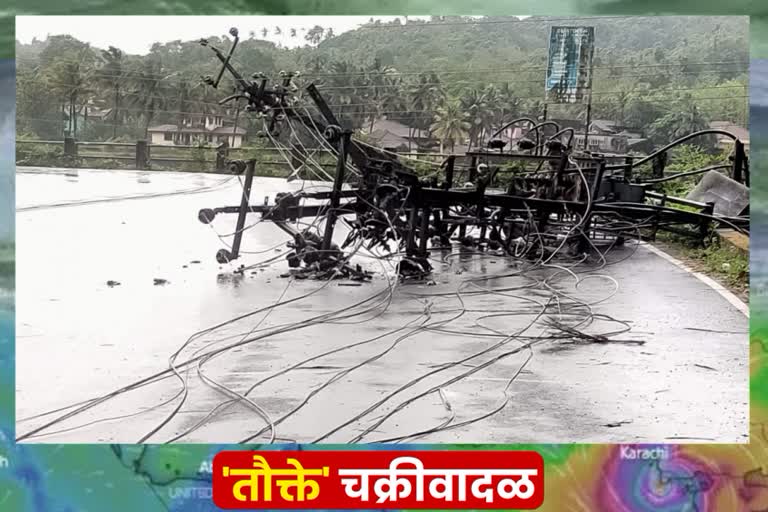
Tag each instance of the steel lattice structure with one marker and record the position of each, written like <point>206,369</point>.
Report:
<point>538,197</point>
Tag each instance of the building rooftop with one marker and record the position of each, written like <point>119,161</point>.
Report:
<point>739,131</point>
<point>222,130</point>
<point>392,127</point>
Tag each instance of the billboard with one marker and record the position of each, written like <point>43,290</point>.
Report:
<point>569,64</point>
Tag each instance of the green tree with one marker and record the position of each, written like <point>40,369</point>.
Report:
<point>111,75</point>
<point>151,90</point>
<point>315,35</point>
<point>377,82</point>
<point>683,119</point>
<point>41,118</point>
<point>506,107</point>
<point>424,96</point>
<point>68,68</point>
<point>477,103</point>
<point>451,125</point>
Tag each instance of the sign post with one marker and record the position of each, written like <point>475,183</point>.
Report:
<point>569,68</point>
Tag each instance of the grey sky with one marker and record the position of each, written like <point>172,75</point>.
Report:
<point>136,34</point>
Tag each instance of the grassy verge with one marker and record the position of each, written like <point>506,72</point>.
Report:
<point>720,260</point>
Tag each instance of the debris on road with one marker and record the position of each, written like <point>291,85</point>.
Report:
<point>617,424</point>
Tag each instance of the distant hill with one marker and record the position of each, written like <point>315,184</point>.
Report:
<point>665,75</point>
<point>503,40</point>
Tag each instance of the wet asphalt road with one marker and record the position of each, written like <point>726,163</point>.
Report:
<point>78,338</point>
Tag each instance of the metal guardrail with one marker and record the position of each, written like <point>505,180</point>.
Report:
<point>142,152</point>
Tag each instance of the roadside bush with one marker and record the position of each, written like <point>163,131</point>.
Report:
<point>45,156</point>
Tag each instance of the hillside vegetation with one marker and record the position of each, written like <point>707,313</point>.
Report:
<point>457,78</point>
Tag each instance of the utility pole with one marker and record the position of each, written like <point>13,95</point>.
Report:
<point>234,129</point>
<point>589,95</point>
<point>589,121</point>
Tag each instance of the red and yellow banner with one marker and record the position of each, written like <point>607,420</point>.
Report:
<point>378,479</point>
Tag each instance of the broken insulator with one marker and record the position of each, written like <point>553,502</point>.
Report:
<point>223,256</point>
<point>496,144</point>
<point>206,215</point>
<point>526,144</point>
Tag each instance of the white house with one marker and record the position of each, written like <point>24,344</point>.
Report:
<point>209,129</point>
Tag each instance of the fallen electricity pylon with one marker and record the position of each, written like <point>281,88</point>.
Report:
<point>537,198</point>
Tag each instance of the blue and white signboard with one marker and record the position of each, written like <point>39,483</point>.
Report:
<point>569,66</point>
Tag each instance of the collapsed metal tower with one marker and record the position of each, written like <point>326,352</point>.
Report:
<point>537,197</point>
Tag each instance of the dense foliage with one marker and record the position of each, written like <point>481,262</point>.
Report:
<point>456,78</point>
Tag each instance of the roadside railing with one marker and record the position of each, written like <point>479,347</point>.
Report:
<point>142,155</point>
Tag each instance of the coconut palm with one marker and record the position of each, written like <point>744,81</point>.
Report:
<point>424,96</point>
<point>68,70</point>
<point>451,124</point>
<point>684,119</point>
<point>315,35</point>
<point>112,76</point>
<point>478,103</point>
<point>151,91</point>
<point>378,80</point>
<point>507,106</point>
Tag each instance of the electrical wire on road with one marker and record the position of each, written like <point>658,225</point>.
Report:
<point>539,296</point>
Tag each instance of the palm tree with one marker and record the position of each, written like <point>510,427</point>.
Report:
<point>424,95</point>
<point>684,119</point>
<point>378,79</point>
<point>507,106</point>
<point>69,74</point>
<point>183,106</point>
<point>451,124</point>
<point>477,104</point>
<point>347,89</point>
<point>112,76</point>
<point>315,35</point>
<point>150,94</point>
<point>392,97</point>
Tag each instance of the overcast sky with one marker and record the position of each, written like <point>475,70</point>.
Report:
<point>136,34</point>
